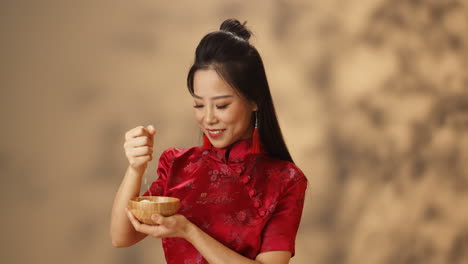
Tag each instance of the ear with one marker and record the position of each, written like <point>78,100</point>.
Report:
<point>254,107</point>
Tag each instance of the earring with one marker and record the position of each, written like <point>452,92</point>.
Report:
<point>256,142</point>
<point>206,142</point>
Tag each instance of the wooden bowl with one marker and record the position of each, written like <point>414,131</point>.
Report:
<point>162,205</point>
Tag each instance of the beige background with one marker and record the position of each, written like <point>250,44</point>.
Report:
<point>372,97</point>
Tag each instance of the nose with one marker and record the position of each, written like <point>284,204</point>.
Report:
<point>210,116</point>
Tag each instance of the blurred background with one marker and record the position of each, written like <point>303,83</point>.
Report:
<point>372,97</point>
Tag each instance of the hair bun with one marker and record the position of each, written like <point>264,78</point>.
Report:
<point>235,27</point>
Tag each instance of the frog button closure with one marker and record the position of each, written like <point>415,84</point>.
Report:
<point>257,203</point>
<point>245,179</point>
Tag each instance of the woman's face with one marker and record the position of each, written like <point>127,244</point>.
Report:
<point>221,113</point>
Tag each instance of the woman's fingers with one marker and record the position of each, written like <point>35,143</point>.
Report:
<point>172,226</point>
<point>139,145</point>
<point>139,151</point>
<point>137,225</point>
<point>158,219</point>
<point>151,129</point>
<point>137,132</point>
<point>153,231</point>
<point>139,156</point>
<point>138,142</point>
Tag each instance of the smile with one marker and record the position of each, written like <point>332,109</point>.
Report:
<point>215,133</point>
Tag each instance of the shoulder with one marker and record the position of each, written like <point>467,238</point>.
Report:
<point>176,153</point>
<point>278,183</point>
<point>282,172</point>
<point>281,177</point>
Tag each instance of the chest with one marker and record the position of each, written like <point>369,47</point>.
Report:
<point>231,202</point>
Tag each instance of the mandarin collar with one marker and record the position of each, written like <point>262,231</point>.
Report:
<point>239,151</point>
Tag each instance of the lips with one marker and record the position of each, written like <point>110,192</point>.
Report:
<point>214,133</point>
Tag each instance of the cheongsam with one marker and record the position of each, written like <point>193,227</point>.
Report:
<point>251,203</point>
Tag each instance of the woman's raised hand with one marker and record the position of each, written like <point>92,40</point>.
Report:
<point>139,146</point>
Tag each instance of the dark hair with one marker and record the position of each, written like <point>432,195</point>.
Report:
<point>230,54</point>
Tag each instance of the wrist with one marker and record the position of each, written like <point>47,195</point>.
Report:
<point>190,232</point>
<point>139,171</point>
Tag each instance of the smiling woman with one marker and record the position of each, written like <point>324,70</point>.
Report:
<point>222,114</point>
<point>241,195</point>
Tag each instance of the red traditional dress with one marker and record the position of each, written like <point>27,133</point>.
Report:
<point>249,203</point>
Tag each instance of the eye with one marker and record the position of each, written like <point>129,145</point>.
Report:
<point>222,106</point>
<point>198,106</point>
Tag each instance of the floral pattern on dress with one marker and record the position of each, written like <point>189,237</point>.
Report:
<point>191,166</point>
<point>239,199</point>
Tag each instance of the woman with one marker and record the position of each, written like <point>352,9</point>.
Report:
<point>241,194</point>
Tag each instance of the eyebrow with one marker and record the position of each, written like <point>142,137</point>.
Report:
<point>213,98</point>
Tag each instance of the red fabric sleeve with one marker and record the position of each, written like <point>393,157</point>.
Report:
<point>280,231</point>
<point>158,187</point>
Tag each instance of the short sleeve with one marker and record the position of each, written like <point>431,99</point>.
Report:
<point>158,187</point>
<point>280,231</point>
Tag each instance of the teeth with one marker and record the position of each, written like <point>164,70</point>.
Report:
<point>216,132</point>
